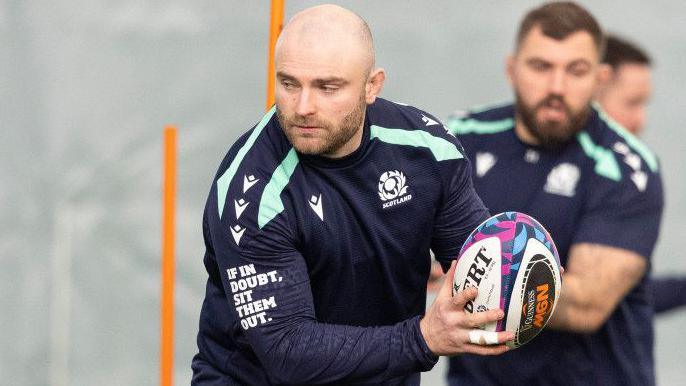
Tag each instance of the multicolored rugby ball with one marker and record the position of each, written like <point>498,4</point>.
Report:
<point>514,263</point>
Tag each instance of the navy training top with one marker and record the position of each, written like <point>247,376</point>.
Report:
<point>603,187</point>
<point>318,267</point>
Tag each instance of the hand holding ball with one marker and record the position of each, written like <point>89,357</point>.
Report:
<point>514,263</point>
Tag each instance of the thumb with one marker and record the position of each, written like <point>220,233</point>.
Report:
<point>447,288</point>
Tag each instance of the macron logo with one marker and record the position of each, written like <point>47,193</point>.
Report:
<point>633,160</point>
<point>484,163</point>
<point>428,121</point>
<point>240,206</point>
<point>248,182</point>
<point>316,205</point>
<point>640,179</point>
<point>237,233</point>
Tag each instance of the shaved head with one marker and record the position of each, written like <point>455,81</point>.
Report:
<point>329,27</point>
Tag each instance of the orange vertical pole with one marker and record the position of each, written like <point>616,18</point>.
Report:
<point>275,27</point>
<point>167,303</point>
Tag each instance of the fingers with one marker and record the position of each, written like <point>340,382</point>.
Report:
<point>487,338</point>
<point>482,318</point>
<point>471,348</point>
<point>449,330</point>
<point>483,337</point>
<point>475,319</point>
<point>462,297</point>
<point>482,342</point>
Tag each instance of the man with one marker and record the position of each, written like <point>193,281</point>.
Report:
<point>594,187</point>
<point>624,94</point>
<point>315,275</point>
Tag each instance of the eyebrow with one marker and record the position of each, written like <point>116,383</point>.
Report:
<point>330,80</point>
<point>579,62</point>
<point>318,81</point>
<point>282,74</point>
<point>537,59</point>
<point>575,62</point>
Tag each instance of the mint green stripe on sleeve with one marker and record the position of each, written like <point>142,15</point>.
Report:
<point>442,149</point>
<point>226,178</point>
<point>270,203</point>
<point>605,162</point>
<point>631,140</point>
<point>469,126</point>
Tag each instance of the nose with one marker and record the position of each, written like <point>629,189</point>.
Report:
<point>305,105</point>
<point>557,82</point>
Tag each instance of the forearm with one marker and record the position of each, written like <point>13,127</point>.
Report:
<point>576,310</point>
<point>597,278</point>
<point>311,352</point>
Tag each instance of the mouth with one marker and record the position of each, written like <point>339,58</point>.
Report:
<point>305,131</point>
<point>306,128</point>
<point>553,111</point>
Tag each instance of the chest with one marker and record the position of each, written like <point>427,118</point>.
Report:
<point>552,187</point>
<point>378,215</point>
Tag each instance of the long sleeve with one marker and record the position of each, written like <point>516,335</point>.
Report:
<point>266,283</point>
<point>667,293</point>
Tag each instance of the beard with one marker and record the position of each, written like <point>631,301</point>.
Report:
<point>329,137</point>
<point>550,133</point>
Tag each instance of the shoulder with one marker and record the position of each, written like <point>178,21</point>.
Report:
<point>479,128</point>
<point>245,194</point>
<point>482,120</point>
<point>401,124</point>
<point>387,113</point>
<point>618,155</point>
<point>624,197</point>
<point>260,147</point>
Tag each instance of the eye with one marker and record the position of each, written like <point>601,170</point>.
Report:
<point>328,88</point>
<point>579,71</point>
<point>539,66</point>
<point>287,84</point>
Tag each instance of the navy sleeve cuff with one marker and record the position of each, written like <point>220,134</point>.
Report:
<point>427,358</point>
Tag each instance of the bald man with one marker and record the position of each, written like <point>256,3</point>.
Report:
<point>316,276</point>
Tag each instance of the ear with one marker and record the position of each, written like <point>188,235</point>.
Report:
<point>603,79</point>
<point>605,74</point>
<point>509,69</point>
<point>374,85</point>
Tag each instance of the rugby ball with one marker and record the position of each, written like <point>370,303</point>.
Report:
<point>514,263</point>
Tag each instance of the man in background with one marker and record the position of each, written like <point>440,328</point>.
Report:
<point>624,94</point>
<point>597,190</point>
<point>625,91</point>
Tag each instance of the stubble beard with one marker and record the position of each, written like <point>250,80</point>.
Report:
<point>552,134</point>
<point>330,137</point>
